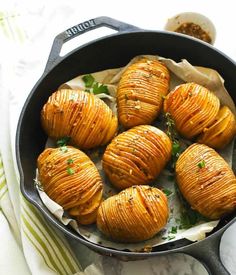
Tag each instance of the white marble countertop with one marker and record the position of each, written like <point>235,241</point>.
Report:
<point>147,15</point>
<point>174,264</point>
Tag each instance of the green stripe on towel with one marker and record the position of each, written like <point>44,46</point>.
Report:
<point>3,193</point>
<point>64,255</point>
<point>3,182</point>
<point>50,244</point>
<point>63,247</point>
<point>37,240</point>
<point>10,26</point>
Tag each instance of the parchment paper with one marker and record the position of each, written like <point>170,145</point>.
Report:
<point>180,73</point>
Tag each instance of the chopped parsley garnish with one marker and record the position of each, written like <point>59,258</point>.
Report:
<point>93,86</point>
<point>64,149</point>
<point>188,219</point>
<point>63,141</point>
<point>100,89</point>
<point>70,161</point>
<point>167,192</point>
<point>88,80</point>
<point>170,126</point>
<point>72,97</point>
<point>172,134</point>
<point>70,171</point>
<point>169,237</point>
<point>176,148</point>
<point>173,230</point>
<point>201,164</point>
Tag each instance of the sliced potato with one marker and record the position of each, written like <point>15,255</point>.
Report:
<point>135,214</point>
<point>140,92</point>
<point>136,156</point>
<point>206,181</point>
<point>221,132</point>
<point>192,107</point>
<point>83,117</point>
<point>71,179</point>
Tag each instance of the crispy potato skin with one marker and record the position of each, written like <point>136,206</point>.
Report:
<point>136,156</point>
<point>221,132</point>
<point>193,108</point>
<point>211,190</point>
<point>71,179</point>
<point>79,115</point>
<point>135,214</point>
<point>140,92</point>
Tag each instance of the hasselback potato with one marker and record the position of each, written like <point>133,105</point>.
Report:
<point>83,117</point>
<point>206,181</point>
<point>71,179</point>
<point>140,92</point>
<point>192,107</point>
<point>222,131</point>
<point>136,156</point>
<point>135,214</point>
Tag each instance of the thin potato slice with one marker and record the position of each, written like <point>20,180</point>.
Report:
<point>136,156</point>
<point>71,179</point>
<point>221,132</point>
<point>140,92</point>
<point>206,181</point>
<point>83,117</point>
<point>192,107</point>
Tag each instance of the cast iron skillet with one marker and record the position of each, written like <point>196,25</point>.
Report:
<point>111,52</point>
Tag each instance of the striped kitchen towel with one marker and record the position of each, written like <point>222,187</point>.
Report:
<point>29,244</point>
<point>44,249</point>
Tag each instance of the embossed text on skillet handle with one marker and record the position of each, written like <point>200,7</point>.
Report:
<point>60,39</point>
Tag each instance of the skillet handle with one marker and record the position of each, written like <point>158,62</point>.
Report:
<point>60,39</point>
<point>207,252</point>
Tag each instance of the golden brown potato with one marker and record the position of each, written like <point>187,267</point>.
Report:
<point>136,156</point>
<point>192,107</point>
<point>206,181</point>
<point>222,131</point>
<point>79,115</point>
<point>71,179</point>
<point>140,92</point>
<point>135,214</point>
